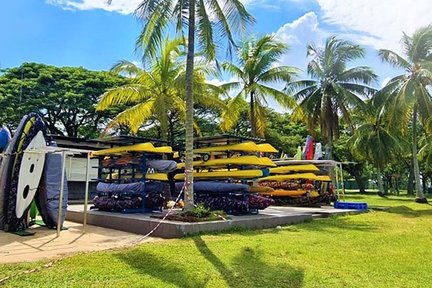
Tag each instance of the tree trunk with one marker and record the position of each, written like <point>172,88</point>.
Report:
<point>188,196</point>
<point>418,188</point>
<point>410,186</point>
<point>361,183</point>
<point>252,114</point>
<point>380,181</point>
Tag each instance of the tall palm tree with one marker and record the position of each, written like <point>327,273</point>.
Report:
<point>406,97</point>
<point>256,69</point>
<point>374,141</point>
<point>334,88</point>
<point>209,20</point>
<point>159,91</point>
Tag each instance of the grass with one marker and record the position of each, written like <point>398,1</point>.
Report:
<point>390,248</point>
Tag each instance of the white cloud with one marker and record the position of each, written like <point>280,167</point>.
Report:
<point>120,6</point>
<point>301,31</point>
<point>298,34</point>
<point>377,23</point>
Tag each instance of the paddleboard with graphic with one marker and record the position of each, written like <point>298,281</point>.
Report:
<point>22,170</point>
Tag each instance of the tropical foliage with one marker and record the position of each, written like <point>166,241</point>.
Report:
<point>65,96</point>
<point>207,19</point>
<point>406,97</point>
<point>334,88</point>
<point>159,91</point>
<point>256,73</point>
<point>374,141</point>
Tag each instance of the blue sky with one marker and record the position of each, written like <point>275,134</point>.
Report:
<point>94,35</point>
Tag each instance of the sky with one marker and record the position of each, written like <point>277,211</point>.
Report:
<point>95,35</point>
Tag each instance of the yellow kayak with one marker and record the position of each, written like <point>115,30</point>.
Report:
<point>285,193</point>
<point>280,178</point>
<point>156,176</point>
<point>242,160</point>
<point>291,168</point>
<point>142,147</point>
<point>260,189</point>
<point>148,176</point>
<point>239,174</point>
<point>267,148</point>
<point>324,178</point>
<point>241,147</point>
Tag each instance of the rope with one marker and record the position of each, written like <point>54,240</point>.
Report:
<point>163,219</point>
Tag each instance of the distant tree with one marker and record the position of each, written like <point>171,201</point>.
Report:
<point>334,89</point>
<point>284,133</point>
<point>256,72</point>
<point>65,96</point>
<point>407,97</point>
<point>374,142</point>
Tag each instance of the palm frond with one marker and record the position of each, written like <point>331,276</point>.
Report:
<point>126,67</point>
<point>123,95</point>
<point>359,74</point>
<point>232,112</point>
<point>205,30</point>
<point>134,117</point>
<point>394,59</point>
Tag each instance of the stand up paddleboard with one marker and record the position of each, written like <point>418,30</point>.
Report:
<point>47,198</point>
<point>21,171</point>
<point>5,138</point>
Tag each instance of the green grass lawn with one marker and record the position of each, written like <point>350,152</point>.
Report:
<point>391,248</point>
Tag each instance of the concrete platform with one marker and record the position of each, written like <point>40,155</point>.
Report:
<point>143,223</point>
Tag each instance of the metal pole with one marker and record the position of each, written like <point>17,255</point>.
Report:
<point>59,218</point>
<point>86,192</point>
<point>335,169</point>
<point>342,179</point>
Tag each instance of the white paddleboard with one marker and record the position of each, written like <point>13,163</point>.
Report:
<point>30,173</point>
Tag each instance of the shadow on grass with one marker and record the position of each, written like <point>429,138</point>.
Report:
<point>160,268</point>
<point>248,270</point>
<point>409,212</point>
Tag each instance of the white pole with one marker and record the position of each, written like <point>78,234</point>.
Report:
<point>60,208</point>
<point>342,181</point>
<point>86,192</point>
<point>335,169</point>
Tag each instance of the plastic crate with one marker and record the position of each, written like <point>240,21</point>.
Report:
<point>351,205</point>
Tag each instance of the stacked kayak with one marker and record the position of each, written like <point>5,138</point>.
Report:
<point>221,173</point>
<point>293,185</point>
<point>133,178</point>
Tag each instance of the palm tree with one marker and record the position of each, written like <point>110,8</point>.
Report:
<point>256,69</point>
<point>374,141</point>
<point>160,91</point>
<point>334,88</point>
<point>406,97</point>
<point>209,20</point>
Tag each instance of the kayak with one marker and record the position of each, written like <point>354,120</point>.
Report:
<point>241,147</point>
<point>291,168</point>
<point>239,174</point>
<point>279,178</point>
<point>142,147</point>
<point>240,161</point>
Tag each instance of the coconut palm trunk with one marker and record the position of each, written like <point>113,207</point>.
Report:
<point>418,187</point>
<point>252,114</point>
<point>380,181</point>
<point>189,109</point>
